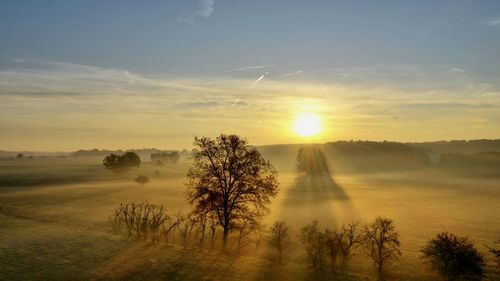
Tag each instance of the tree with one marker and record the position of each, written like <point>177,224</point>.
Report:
<point>382,241</point>
<point>141,180</point>
<point>454,257</point>
<point>280,238</point>
<point>121,163</point>
<point>314,243</point>
<point>230,180</point>
<point>20,156</point>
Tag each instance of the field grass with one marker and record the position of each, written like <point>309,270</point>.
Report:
<point>54,221</point>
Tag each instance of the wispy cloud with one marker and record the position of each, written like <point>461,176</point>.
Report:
<point>292,73</point>
<point>493,22</point>
<point>252,67</point>
<point>457,70</point>
<point>205,11</point>
<point>206,8</point>
<point>37,97</point>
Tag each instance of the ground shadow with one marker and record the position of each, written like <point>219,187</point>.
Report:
<point>314,181</point>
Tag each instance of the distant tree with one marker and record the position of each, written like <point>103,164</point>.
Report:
<point>280,238</point>
<point>121,163</point>
<point>169,157</point>
<point>20,156</point>
<point>313,240</point>
<point>382,241</point>
<point>311,161</point>
<point>142,180</point>
<point>454,257</point>
<point>245,229</point>
<point>230,180</point>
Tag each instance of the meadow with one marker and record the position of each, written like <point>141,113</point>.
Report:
<point>55,221</point>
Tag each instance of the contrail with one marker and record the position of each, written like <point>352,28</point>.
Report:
<point>259,79</point>
<point>291,73</point>
<point>247,68</point>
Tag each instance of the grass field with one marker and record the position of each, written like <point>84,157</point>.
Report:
<point>54,221</point>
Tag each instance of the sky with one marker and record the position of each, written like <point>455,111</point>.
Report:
<point>132,74</point>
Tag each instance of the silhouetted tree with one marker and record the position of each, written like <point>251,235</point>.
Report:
<point>333,241</point>
<point>314,243</point>
<point>382,241</point>
<point>230,180</point>
<point>121,163</point>
<point>454,257</point>
<point>245,229</point>
<point>20,156</point>
<point>142,180</point>
<point>351,238</point>
<point>311,160</point>
<point>280,238</point>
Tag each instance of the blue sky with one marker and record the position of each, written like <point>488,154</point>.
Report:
<point>401,48</point>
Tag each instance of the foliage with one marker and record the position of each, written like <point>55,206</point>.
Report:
<point>230,180</point>
<point>121,163</point>
<point>382,241</point>
<point>311,160</point>
<point>169,157</point>
<point>142,180</point>
<point>454,257</point>
<point>496,254</point>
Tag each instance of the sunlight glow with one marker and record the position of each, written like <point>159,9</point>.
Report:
<point>307,124</point>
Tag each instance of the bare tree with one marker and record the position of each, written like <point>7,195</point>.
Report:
<point>382,241</point>
<point>245,229</point>
<point>314,243</point>
<point>280,238</point>
<point>231,180</point>
<point>351,238</point>
<point>333,241</point>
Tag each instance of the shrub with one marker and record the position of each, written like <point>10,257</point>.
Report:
<point>454,257</point>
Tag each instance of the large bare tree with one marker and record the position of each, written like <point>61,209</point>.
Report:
<point>231,180</point>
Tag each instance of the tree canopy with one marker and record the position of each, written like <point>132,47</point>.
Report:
<point>230,180</point>
<point>121,163</point>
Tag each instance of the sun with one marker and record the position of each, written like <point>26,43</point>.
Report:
<point>307,124</point>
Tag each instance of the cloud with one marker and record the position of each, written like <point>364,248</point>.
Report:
<point>185,20</point>
<point>493,22</point>
<point>120,107</point>
<point>291,73</point>
<point>205,11</point>
<point>247,68</point>
<point>457,70</point>
<point>206,8</point>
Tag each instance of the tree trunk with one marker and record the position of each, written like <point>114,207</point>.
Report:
<point>225,234</point>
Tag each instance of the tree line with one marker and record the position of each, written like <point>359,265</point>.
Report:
<point>230,186</point>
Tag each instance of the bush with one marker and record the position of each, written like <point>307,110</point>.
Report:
<point>454,257</point>
<point>142,180</point>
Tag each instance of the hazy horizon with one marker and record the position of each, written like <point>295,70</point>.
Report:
<point>81,74</point>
